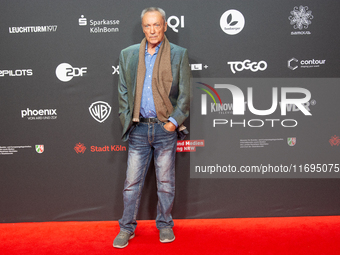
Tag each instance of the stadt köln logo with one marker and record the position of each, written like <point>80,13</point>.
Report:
<point>100,111</point>
<point>335,140</point>
<point>80,148</point>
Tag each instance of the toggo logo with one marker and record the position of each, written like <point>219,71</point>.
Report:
<point>65,72</point>
<point>247,65</point>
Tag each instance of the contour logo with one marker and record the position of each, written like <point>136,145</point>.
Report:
<point>65,72</point>
<point>100,111</point>
<point>291,64</point>
<point>232,22</point>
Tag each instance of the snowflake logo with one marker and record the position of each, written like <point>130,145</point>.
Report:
<point>300,17</point>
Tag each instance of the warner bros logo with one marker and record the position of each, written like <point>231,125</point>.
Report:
<point>100,111</point>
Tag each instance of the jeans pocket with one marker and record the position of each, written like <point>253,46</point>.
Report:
<point>133,127</point>
<point>167,131</point>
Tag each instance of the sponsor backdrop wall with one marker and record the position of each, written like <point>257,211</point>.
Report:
<point>264,126</point>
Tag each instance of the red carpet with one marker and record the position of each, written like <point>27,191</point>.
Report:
<point>298,235</point>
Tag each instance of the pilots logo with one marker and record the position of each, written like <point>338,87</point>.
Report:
<point>300,19</point>
<point>247,65</point>
<point>16,73</point>
<point>99,26</point>
<point>100,111</point>
<point>174,22</point>
<point>232,22</point>
<point>293,63</point>
<point>65,72</point>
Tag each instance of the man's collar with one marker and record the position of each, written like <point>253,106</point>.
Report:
<point>157,47</point>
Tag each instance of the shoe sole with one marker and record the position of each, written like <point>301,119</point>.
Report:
<point>167,240</point>
<point>121,247</point>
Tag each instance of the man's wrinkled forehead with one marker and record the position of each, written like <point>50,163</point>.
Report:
<point>160,17</point>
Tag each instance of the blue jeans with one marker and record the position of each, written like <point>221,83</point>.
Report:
<point>146,139</point>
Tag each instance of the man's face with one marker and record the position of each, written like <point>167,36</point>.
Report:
<point>154,27</point>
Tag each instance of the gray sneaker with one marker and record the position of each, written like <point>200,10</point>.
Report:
<point>166,235</point>
<point>122,239</point>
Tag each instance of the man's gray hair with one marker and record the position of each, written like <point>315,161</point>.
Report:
<point>154,9</point>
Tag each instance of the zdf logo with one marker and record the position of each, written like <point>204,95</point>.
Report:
<point>65,72</point>
<point>174,22</point>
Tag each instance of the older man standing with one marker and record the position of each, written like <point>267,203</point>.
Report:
<point>154,101</point>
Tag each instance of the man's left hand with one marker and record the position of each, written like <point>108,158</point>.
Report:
<point>170,126</point>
